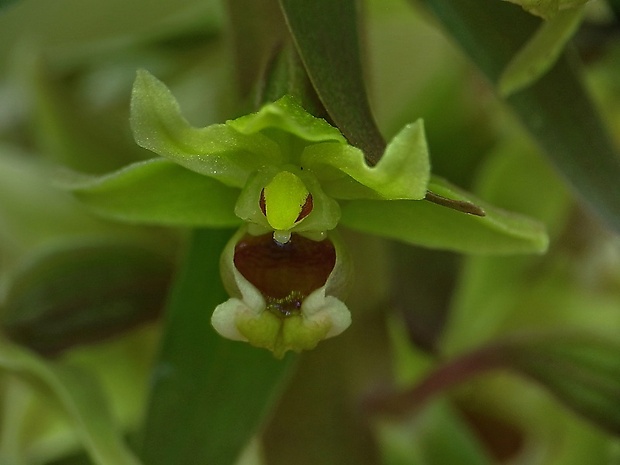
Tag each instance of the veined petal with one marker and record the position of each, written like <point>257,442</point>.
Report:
<point>402,173</point>
<point>430,225</point>
<point>218,151</point>
<point>159,192</point>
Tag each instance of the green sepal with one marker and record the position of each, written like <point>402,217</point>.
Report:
<point>430,225</point>
<point>540,52</point>
<point>289,117</point>
<point>402,173</point>
<point>157,192</point>
<point>218,150</point>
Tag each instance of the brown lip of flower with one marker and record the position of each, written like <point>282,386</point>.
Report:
<point>285,274</point>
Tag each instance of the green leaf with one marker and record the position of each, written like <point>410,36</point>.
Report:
<point>256,30</point>
<point>556,109</point>
<point>319,418</point>
<point>582,371</point>
<point>6,3</point>
<point>209,394</point>
<point>540,52</point>
<point>548,8</point>
<point>74,295</point>
<point>327,39</point>
<point>430,225</point>
<point>79,396</point>
<point>402,173</point>
<point>159,192</point>
<point>218,150</point>
<point>438,436</point>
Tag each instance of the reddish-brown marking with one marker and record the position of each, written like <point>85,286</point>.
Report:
<point>306,208</point>
<point>285,273</point>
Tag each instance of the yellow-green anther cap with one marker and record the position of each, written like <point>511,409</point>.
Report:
<point>285,197</point>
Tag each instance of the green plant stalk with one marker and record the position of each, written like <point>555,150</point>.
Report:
<point>209,394</point>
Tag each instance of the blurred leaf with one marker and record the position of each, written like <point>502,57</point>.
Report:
<point>79,396</point>
<point>430,225</point>
<point>327,38</point>
<point>33,212</point>
<point>6,3</point>
<point>581,371</point>
<point>71,296</point>
<point>66,129</point>
<point>209,394</point>
<point>156,191</point>
<point>548,8</point>
<point>319,419</point>
<point>75,27</point>
<point>491,295</point>
<point>556,109</point>
<point>540,52</point>
<point>437,436</point>
<point>257,30</point>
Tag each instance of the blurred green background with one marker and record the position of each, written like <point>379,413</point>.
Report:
<point>106,351</point>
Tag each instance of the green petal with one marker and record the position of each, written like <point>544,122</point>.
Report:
<point>430,225</point>
<point>287,116</point>
<point>218,150</point>
<point>158,192</point>
<point>402,173</point>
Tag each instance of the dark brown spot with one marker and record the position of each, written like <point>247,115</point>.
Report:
<point>285,273</point>
<point>306,209</point>
<point>261,202</point>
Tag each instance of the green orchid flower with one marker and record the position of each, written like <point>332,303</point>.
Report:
<point>288,179</point>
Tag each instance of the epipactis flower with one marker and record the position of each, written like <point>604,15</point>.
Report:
<point>288,179</point>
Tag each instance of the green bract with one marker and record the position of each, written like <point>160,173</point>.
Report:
<point>289,178</point>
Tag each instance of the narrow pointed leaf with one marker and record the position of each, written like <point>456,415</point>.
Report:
<point>430,225</point>
<point>327,39</point>
<point>79,396</point>
<point>556,109</point>
<point>158,192</point>
<point>217,150</point>
<point>209,394</point>
<point>540,52</point>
